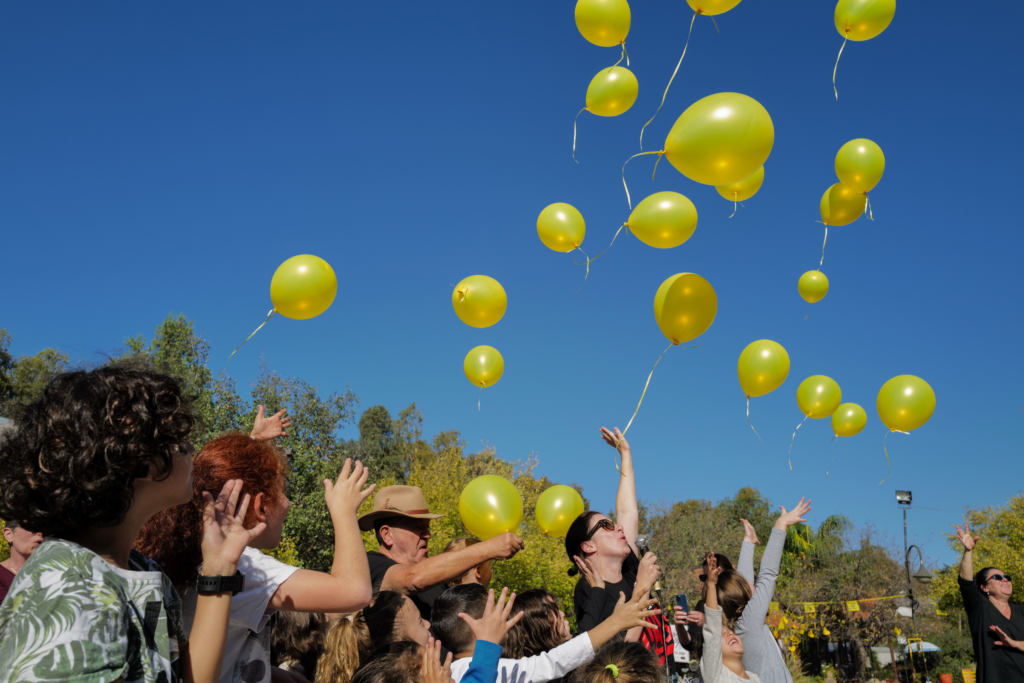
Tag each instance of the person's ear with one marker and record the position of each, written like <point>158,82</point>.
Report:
<point>588,547</point>
<point>386,536</point>
<point>259,508</point>
<point>9,534</point>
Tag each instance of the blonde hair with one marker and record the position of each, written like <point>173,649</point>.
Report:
<point>345,645</point>
<point>459,543</point>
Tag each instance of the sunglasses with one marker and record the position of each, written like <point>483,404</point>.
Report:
<point>999,577</point>
<point>605,524</point>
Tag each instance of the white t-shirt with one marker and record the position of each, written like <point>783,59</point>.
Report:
<point>546,666</point>
<point>247,651</point>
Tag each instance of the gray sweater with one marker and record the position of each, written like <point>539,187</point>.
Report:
<point>761,653</point>
<point>712,669</point>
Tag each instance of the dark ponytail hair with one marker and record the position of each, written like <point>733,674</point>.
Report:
<point>575,537</point>
<point>982,577</point>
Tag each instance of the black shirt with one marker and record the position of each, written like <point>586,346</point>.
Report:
<point>379,566</point>
<point>995,664</point>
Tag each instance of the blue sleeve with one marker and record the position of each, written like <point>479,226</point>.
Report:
<point>484,666</point>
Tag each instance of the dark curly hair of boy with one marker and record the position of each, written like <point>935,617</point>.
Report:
<point>72,459</point>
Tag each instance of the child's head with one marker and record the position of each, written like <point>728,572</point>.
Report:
<point>480,574</point>
<point>401,664</point>
<point>732,646</point>
<point>734,592</point>
<point>452,631</point>
<point>346,645</point>
<point>542,628</point>
<point>392,617</point>
<point>94,445</point>
<point>702,573</point>
<point>620,662</point>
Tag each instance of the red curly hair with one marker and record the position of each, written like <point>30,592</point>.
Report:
<point>174,537</point>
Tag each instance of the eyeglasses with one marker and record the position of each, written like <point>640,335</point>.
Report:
<point>605,524</point>
<point>999,577</point>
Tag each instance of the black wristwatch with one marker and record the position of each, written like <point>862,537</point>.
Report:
<point>207,585</point>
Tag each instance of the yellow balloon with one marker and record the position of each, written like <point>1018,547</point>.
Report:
<point>712,7</point>
<point>479,301</point>
<point>863,19</point>
<point>860,164</point>
<point>490,505</point>
<point>303,287</point>
<point>818,396</point>
<point>720,139</point>
<point>603,22</point>
<point>813,286</point>
<point>612,91</point>
<point>685,306</point>
<point>484,366</point>
<point>849,419</point>
<point>841,205</point>
<point>744,189</point>
<point>561,227</point>
<point>763,367</point>
<point>557,508</point>
<point>663,220</point>
<point>905,402</point>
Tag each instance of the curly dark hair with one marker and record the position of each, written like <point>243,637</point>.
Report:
<point>72,459</point>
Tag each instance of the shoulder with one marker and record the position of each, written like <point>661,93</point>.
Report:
<point>260,568</point>
<point>581,591</point>
<point>379,566</point>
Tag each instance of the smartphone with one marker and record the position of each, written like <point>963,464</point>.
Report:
<point>682,602</point>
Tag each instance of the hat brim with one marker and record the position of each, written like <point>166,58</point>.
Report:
<point>367,520</point>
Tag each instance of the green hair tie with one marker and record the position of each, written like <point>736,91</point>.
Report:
<point>615,670</point>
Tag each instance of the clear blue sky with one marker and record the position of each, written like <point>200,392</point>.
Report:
<point>160,158</point>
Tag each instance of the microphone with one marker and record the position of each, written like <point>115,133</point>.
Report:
<point>643,545</point>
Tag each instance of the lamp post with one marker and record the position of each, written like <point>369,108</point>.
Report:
<point>903,499</point>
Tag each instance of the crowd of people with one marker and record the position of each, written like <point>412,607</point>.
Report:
<point>134,558</point>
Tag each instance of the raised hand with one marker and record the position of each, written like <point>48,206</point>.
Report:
<point>345,496</point>
<point>590,572</point>
<point>615,439</point>
<point>714,571</point>
<point>224,532</point>
<point>266,428</point>
<point>965,537</point>
<point>506,545</point>
<point>1005,640</point>
<point>633,613</point>
<point>494,624</point>
<point>794,516</point>
<point>749,535</point>
<point>431,669</point>
<point>648,573</point>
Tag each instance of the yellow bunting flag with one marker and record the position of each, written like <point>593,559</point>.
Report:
<point>852,606</point>
<point>809,608</point>
<point>773,607</point>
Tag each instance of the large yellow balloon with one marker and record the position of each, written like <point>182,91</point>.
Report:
<point>557,508</point>
<point>490,505</point>
<point>818,396</point>
<point>813,286</point>
<point>905,402</point>
<point>841,205</point>
<point>720,139</point>
<point>863,19</point>
<point>479,301</point>
<point>849,419</point>
<point>303,287</point>
<point>743,189</point>
<point>663,220</point>
<point>712,7</point>
<point>763,367</point>
<point>860,164</point>
<point>603,22</point>
<point>561,227</point>
<point>484,366</point>
<point>685,306</point>
<point>612,91</point>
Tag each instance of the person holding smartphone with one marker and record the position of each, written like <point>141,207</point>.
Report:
<point>690,623</point>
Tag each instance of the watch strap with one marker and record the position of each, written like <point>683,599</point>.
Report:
<point>206,585</point>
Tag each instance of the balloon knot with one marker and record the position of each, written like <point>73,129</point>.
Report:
<point>462,294</point>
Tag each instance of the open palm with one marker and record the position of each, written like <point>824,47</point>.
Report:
<point>224,534</point>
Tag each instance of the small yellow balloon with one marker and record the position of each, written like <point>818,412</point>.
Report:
<point>603,22</point>
<point>484,366</point>
<point>685,306</point>
<point>490,505</point>
<point>303,287</point>
<point>479,301</point>
<point>841,205</point>
<point>849,419</point>
<point>813,286</point>
<point>663,220</point>
<point>763,367</point>
<point>561,227</point>
<point>720,139</point>
<point>557,508</point>
<point>818,396</point>
<point>905,402</point>
<point>612,91</point>
<point>712,7</point>
<point>744,189</point>
<point>860,164</point>
<point>863,19</point>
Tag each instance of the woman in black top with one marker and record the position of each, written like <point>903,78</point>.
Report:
<point>606,554</point>
<point>997,627</point>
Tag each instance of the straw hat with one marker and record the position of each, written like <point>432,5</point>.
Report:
<point>397,501</point>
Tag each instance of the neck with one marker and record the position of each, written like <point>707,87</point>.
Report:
<point>735,664</point>
<point>394,554</point>
<point>15,562</point>
<point>610,568</point>
<point>998,600</point>
<point>467,652</point>
<point>113,543</point>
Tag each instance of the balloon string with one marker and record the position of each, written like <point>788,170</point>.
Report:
<point>273,311</point>
<point>806,309</point>
<point>630,201</point>
<point>665,94</point>
<point>479,396</point>
<point>794,439</point>
<point>823,247</point>
<point>832,462</point>
<point>887,463</point>
<point>837,65</point>
<point>625,55</point>
<point>591,260</point>
<point>715,23</point>
<point>735,204</point>
<point>751,423</point>
<point>867,207</point>
<point>574,133</point>
<point>587,274</point>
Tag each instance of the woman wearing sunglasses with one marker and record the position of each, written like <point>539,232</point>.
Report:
<point>605,553</point>
<point>997,627</point>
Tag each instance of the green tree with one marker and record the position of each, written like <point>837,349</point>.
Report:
<point>6,368</point>
<point>379,447</point>
<point>23,379</point>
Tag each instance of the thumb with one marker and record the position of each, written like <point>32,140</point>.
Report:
<point>259,412</point>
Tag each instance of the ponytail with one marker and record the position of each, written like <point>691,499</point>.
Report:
<point>347,644</point>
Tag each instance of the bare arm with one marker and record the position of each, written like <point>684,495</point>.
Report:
<point>967,564</point>
<point>347,587</point>
<point>626,512</point>
<point>410,579</point>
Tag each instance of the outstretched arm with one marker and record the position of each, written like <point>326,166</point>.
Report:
<point>409,579</point>
<point>626,512</point>
<point>967,564</point>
